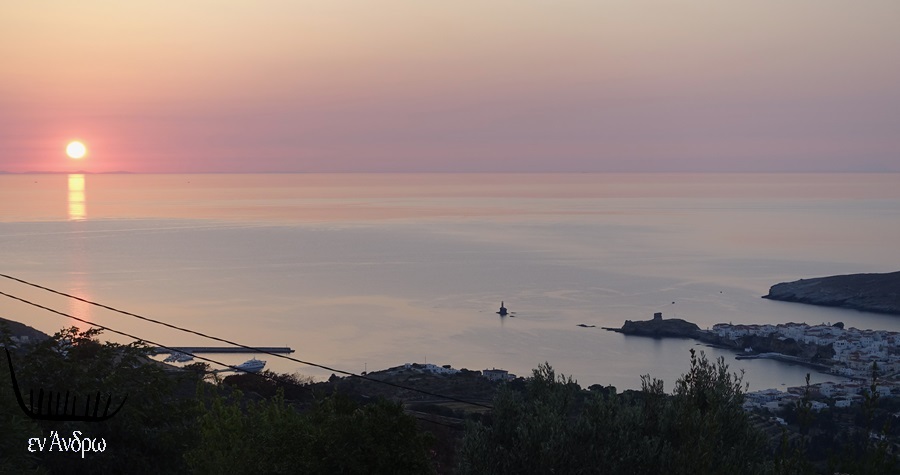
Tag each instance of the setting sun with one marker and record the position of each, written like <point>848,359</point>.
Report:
<point>76,150</point>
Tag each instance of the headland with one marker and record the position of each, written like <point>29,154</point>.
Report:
<point>848,352</point>
<point>878,293</point>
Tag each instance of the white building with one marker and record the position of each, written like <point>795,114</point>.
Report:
<point>431,368</point>
<point>498,375</point>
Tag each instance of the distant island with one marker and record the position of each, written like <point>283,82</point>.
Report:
<point>878,293</point>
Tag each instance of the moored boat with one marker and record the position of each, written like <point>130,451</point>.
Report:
<point>252,365</point>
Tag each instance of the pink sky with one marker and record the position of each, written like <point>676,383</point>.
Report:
<point>500,85</point>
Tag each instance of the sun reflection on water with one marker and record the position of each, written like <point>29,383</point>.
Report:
<point>77,208</point>
<point>78,259</point>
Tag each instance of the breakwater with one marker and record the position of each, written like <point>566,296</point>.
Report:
<point>223,349</point>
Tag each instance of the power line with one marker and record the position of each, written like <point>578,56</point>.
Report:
<point>222,340</point>
<point>111,330</point>
<point>261,375</point>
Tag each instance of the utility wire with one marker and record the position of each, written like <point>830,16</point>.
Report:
<point>111,330</point>
<point>229,342</point>
<point>261,375</point>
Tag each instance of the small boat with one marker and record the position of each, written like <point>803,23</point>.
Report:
<point>178,357</point>
<point>252,365</point>
<point>502,311</point>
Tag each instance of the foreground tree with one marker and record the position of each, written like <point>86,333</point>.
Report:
<point>555,427</point>
<point>150,433</point>
<point>867,450</point>
<point>15,427</point>
<point>336,436</point>
<point>704,426</point>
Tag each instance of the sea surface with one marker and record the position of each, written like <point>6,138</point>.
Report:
<point>368,271</point>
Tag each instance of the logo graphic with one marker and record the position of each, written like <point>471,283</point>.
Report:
<point>51,411</point>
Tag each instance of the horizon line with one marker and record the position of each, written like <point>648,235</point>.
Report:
<point>644,172</point>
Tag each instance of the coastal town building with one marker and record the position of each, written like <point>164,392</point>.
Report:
<point>854,350</point>
<point>498,375</point>
<point>431,368</point>
<point>854,354</point>
<point>493,374</point>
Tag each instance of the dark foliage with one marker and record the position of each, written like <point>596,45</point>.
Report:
<point>555,427</point>
<point>336,436</point>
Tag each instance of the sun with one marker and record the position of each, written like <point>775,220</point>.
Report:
<point>76,150</point>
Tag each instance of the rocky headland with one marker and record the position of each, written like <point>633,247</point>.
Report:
<point>791,349</point>
<point>866,292</point>
<point>659,328</point>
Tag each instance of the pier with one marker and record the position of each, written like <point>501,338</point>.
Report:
<point>223,349</point>
<point>786,359</point>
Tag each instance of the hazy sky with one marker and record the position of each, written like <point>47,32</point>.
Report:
<point>462,85</point>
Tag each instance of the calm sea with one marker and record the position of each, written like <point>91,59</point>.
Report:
<point>370,271</point>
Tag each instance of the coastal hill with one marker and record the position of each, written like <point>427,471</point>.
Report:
<point>867,292</point>
<point>20,330</point>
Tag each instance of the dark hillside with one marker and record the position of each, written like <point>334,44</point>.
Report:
<point>20,330</point>
<point>867,292</point>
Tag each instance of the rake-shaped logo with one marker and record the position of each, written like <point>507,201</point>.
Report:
<point>52,411</point>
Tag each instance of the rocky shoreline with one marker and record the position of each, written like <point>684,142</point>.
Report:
<point>783,349</point>
<point>879,293</point>
<point>660,328</point>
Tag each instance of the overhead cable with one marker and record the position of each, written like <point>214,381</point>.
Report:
<point>261,375</point>
<point>221,340</point>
